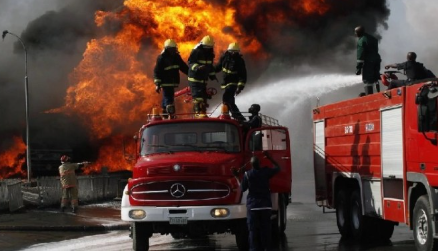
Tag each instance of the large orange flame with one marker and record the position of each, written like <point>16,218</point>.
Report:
<point>12,160</point>
<point>113,88</point>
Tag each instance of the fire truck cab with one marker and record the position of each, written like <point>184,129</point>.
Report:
<point>183,182</point>
<point>376,163</point>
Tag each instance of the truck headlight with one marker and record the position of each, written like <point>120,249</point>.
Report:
<point>220,212</point>
<point>137,214</point>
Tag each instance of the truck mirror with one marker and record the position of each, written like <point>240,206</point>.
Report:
<point>130,157</point>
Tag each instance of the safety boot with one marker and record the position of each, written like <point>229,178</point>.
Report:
<point>73,210</point>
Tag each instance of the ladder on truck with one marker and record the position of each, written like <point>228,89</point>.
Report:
<point>269,121</point>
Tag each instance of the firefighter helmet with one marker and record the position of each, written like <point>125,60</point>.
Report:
<point>234,47</point>
<point>207,41</point>
<point>169,43</point>
<point>65,158</point>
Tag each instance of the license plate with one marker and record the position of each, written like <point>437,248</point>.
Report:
<point>178,221</point>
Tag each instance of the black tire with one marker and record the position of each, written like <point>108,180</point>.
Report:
<point>422,225</point>
<point>140,236</point>
<point>242,236</point>
<point>342,204</point>
<point>280,221</point>
<point>362,227</point>
<point>385,229</point>
<point>177,235</point>
<point>358,222</point>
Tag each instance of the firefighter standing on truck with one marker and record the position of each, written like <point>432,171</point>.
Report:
<point>69,183</point>
<point>258,202</point>
<point>233,67</point>
<point>166,74</point>
<point>200,70</point>
<point>255,121</point>
<point>368,59</point>
<point>414,71</point>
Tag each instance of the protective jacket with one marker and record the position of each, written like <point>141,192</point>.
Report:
<point>255,121</point>
<point>67,174</point>
<point>166,71</point>
<point>201,66</point>
<point>257,183</point>
<point>413,70</point>
<point>234,70</point>
<point>368,49</point>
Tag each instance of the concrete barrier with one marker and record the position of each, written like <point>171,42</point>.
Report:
<point>90,188</point>
<point>11,197</point>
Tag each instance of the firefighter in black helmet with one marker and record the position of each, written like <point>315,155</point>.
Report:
<point>368,59</point>
<point>200,70</point>
<point>233,67</point>
<point>166,73</point>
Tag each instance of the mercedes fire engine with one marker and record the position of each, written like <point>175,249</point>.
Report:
<point>186,180</point>
<point>376,163</point>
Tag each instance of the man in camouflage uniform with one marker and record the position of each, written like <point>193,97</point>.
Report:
<point>69,183</point>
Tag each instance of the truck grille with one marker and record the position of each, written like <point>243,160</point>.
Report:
<point>179,191</point>
<point>186,170</point>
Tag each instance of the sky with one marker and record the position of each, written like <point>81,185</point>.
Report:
<point>410,27</point>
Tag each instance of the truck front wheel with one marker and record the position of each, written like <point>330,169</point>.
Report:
<point>242,236</point>
<point>140,236</point>
<point>280,221</point>
<point>422,225</point>
<point>342,204</point>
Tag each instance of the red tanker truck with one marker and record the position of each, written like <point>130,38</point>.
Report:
<point>376,163</point>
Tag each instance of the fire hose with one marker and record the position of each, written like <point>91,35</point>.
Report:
<point>188,93</point>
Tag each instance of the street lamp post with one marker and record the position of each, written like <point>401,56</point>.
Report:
<point>26,94</point>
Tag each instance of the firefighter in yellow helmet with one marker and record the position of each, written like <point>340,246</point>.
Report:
<point>69,182</point>
<point>200,70</point>
<point>233,67</point>
<point>166,73</point>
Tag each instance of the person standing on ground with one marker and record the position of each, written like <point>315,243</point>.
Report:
<point>233,67</point>
<point>258,202</point>
<point>368,59</point>
<point>201,69</point>
<point>69,183</point>
<point>166,73</point>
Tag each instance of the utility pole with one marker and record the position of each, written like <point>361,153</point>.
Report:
<point>26,94</point>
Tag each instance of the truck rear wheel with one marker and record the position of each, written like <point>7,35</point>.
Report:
<point>422,225</point>
<point>140,236</point>
<point>242,236</point>
<point>342,204</point>
<point>359,222</point>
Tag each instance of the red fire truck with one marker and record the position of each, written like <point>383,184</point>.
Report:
<point>183,181</point>
<point>376,163</point>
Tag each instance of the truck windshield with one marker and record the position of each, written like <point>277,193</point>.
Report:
<point>190,136</point>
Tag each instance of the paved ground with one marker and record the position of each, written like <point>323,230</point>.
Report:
<point>98,227</point>
<point>93,217</point>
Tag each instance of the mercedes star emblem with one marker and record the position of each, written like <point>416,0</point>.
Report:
<point>177,190</point>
